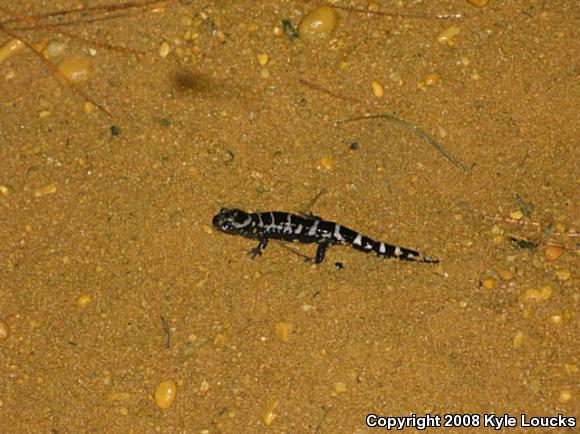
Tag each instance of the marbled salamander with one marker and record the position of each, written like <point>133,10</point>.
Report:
<point>264,226</point>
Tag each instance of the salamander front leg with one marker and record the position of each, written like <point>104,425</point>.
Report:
<point>320,252</point>
<point>259,249</point>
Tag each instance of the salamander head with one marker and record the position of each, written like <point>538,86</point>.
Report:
<point>232,221</point>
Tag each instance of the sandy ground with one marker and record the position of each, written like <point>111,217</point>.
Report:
<point>112,279</point>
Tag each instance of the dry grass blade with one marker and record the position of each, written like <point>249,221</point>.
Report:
<point>41,24</point>
<point>87,15</point>
<point>415,129</point>
<point>399,15</point>
<point>94,10</point>
<point>320,88</point>
<point>55,70</point>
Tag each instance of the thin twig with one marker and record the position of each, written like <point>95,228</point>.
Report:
<point>166,331</point>
<point>399,15</point>
<point>319,88</point>
<point>55,70</point>
<point>418,131</point>
<point>80,21</point>
<point>98,9</point>
<point>510,220</point>
<point>296,252</point>
<point>325,411</point>
<point>40,24</point>
<point>314,200</point>
<point>529,223</point>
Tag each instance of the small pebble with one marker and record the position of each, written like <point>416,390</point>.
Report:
<point>432,79</point>
<point>262,58</point>
<point>115,130</point>
<point>265,73</point>
<point>220,340</point>
<point>340,388</point>
<point>504,274</point>
<point>5,190</point>
<point>4,331</point>
<point>318,23</point>
<point>47,189</point>
<point>516,215</point>
<point>475,76</point>
<point>123,411</point>
<point>571,368</point>
<point>84,300</point>
<point>563,274</point>
<point>186,21</point>
<point>55,48</point>
<point>118,396</point>
<point>326,162</point>
<point>88,107</point>
<point>489,283</point>
<point>498,239</point>
<point>283,331</point>
<point>76,69</point>
<point>270,412</point>
<point>164,49</point>
<point>553,252</point>
<point>538,294</point>
<point>496,230</point>
<point>256,175</point>
<point>556,319</point>
<point>10,48</point>
<point>395,77</point>
<point>204,386</point>
<point>378,89</point>
<point>207,229</point>
<point>448,35</point>
<point>519,340</point>
<point>478,3</point>
<point>565,396</point>
<point>165,394</point>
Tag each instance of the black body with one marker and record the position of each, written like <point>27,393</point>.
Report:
<point>264,226</point>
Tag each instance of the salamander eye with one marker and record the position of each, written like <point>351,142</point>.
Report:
<point>228,224</point>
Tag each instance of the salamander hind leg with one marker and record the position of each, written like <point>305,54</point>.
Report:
<point>259,249</point>
<point>320,252</point>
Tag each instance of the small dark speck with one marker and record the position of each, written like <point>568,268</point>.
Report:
<point>316,294</point>
<point>115,130</point>
<point>289,29</point>
<point>164,122</point>
<point>338,265</point>
<point>353,146</point>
